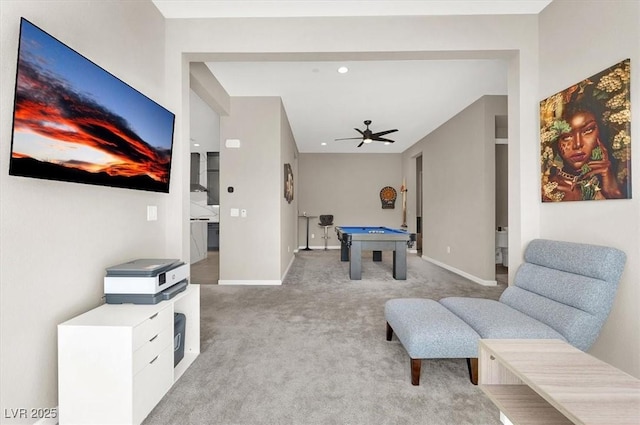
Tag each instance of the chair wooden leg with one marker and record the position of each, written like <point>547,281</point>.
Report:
<point>415,371</point>
<point>389,332</point>
<point>472,364</point>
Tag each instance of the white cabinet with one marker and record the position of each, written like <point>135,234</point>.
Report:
<point>115,362</point>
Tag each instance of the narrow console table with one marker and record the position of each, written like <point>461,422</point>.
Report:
<point>116,362</point>
<point>549,382</point>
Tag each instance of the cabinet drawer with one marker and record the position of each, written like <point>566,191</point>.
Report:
<point>152,383</point>
<point>153,347</point>
<point>151,327</point>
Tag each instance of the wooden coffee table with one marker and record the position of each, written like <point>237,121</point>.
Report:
<point>549,382</point>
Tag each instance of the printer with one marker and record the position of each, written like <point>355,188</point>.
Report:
<point>145,281</point>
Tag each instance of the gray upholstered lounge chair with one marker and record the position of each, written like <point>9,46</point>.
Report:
<point>563,290</point>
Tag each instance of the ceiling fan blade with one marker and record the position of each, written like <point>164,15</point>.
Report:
<point>382,139</point>
<point>382,133</point>
<point>361,143</point>
<point>350,138</point>
<point>359,131</point>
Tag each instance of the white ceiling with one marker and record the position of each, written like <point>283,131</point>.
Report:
<point>414,96</point>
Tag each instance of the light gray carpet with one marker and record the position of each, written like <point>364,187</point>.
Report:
<point>313,351</point>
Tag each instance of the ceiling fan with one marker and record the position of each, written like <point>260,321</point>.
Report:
<point>368,136</point>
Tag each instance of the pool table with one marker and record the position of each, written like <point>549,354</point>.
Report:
<point>355,239</point>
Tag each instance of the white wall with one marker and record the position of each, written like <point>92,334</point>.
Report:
<point>575,43</point>
<point>348,187</point>
<point>57,238</point>
<point>254,171</point>
<point>288,211</point>
<point>458,162</point>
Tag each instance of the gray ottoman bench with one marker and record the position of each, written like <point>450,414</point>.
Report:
<point>428,330</point>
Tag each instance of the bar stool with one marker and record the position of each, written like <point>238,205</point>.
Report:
<point>326,221</point>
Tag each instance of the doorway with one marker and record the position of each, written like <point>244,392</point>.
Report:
<point>502,200</point>
<point>419,205</point>
<point>205,192</point>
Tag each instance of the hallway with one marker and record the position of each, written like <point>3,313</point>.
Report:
<point>207,271</point>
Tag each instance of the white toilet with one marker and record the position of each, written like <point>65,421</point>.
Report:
<point>502,243</point>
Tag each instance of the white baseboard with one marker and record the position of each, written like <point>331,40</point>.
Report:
<point>293,257</point>
<point>504,419</point>
<point>251,282</point>
<point>318,247</point>
<point>461,273</point>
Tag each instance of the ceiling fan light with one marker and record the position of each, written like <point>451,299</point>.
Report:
<point>367,140</point>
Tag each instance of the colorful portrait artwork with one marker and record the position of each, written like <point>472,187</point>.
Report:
<point>585,139</point>
<point>288,183</point>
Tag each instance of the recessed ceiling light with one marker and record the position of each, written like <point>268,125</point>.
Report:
<point>196,144</point>
<point>387,143</point>
<point>343,70</point>
<point>324,143</point>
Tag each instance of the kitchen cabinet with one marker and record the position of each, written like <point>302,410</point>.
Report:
<point>213,239</point>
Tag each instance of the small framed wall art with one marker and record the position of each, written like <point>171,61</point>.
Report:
<point>388,197</point>
<point>288,183</point>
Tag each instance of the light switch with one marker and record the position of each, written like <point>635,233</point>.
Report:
<point>232,143</point>
<point>243,213</point>
<point>152,212</point>
<point>235,212</point>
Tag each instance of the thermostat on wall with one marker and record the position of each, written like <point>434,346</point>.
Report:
<point>232,143</point>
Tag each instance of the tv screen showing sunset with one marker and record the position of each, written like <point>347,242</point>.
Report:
<point>74,121</point>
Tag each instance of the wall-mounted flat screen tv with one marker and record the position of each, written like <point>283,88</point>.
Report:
<point>73,121</point>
